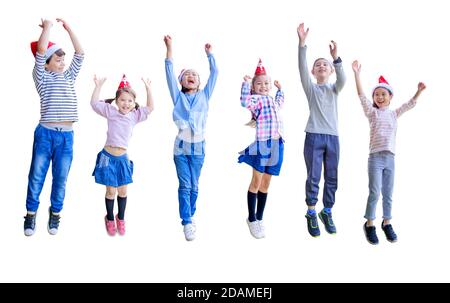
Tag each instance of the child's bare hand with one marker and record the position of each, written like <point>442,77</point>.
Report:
<point>247,78</point>
<point>333,49</point>
<point>356,67</point>
<point>208,48</point>
<point>302,34</point>
<point>277,84</point>
<point>421,86</point>
<point>147,82</point>
<point>64,24</point>
<point>46,23</point>
<point>99,81</point>
<point>168,41</point>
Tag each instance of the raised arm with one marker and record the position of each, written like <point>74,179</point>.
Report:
<point>150,103</point>
<point>172,82</point>
<point>411,103</point>
<point>337,62</point>
<point>302,34</point>
<point>209,87</point>
<point>246,96</point>
<point>279,96</point>
<point>98,87</point>
<point>168,42</point>
<point>357,70</point>
<point>44,37</point>
<point>302,64</point>
<point>420,88</point>
<point>75,42</point>
<point>365,103</point>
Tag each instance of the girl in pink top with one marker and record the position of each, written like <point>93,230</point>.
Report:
<point>381,168</point>
<point>113,168</point>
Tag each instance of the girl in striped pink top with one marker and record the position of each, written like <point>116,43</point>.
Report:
<point>265,154</point>
<point>381,168</point>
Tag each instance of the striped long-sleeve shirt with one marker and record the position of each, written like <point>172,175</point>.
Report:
<point>269,124</point>
<point>383,124</point>
<point>57,91</point>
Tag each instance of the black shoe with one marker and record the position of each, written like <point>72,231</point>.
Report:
<point>389,232</point>
<point>53,222</point>
<point>313,225</point>
<point>29,225</point>
<point>371,234</point>
<point>327,220</point>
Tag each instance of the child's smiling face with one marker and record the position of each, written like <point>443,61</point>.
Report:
<point>190,80</point>
<point>125,102</point>
<point>262,85</point>
<point>322,70</point>
<point>382,97</point>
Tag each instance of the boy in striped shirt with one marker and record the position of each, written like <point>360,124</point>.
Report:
<point>53,137</point>
<point>383,128</point>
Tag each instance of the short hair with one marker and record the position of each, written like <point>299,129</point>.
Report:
<point>59,53</point>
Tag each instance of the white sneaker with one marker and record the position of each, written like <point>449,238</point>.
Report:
<point>262,228</point>
<point>189,232</point>
<point>255,229</point>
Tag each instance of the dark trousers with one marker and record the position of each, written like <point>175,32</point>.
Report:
<point>321,148</point>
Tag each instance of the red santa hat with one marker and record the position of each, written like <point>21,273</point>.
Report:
<point>51,49</point>
<point>124,83</point>
<point>384,84</point>
<point>260,70</point>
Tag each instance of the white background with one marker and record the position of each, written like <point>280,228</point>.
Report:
<point>405,41</point>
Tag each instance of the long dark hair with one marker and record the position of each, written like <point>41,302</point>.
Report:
<point>124,90</point>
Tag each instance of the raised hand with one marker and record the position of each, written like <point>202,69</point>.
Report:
<point>147,82</point>
<point>277,84</point>
<point>247,78</point>
<point>46,23</point>
<point>168,41</point>
<point>302,34</point>
<point>356,67</point>
<point>150,102</point>
<point>333,50</point>
<point>421,86</point>
<point>64,24</point>
<point>208,48</point>
<point>99,81</point>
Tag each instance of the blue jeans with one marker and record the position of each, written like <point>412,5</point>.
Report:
<point>321,149</point>
<point>57,147</point>
<point>188,158</point>
<point>381,179</point>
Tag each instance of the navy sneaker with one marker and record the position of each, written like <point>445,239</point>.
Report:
<point>371,234</point>
<point>29,225</point>
<point>313,225</point>
<point>389,232</point>
<point>327,220</point>
<point>53,222</point>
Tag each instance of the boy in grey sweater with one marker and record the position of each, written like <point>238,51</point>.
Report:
<point>321,141</point>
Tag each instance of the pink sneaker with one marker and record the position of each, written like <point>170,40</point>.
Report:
<point>120,226</point>
<point>110,227</point>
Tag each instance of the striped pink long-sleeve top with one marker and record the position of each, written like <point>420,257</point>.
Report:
<point>383,124</point>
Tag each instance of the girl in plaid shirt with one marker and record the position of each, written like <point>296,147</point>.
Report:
<point>265,155</point>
